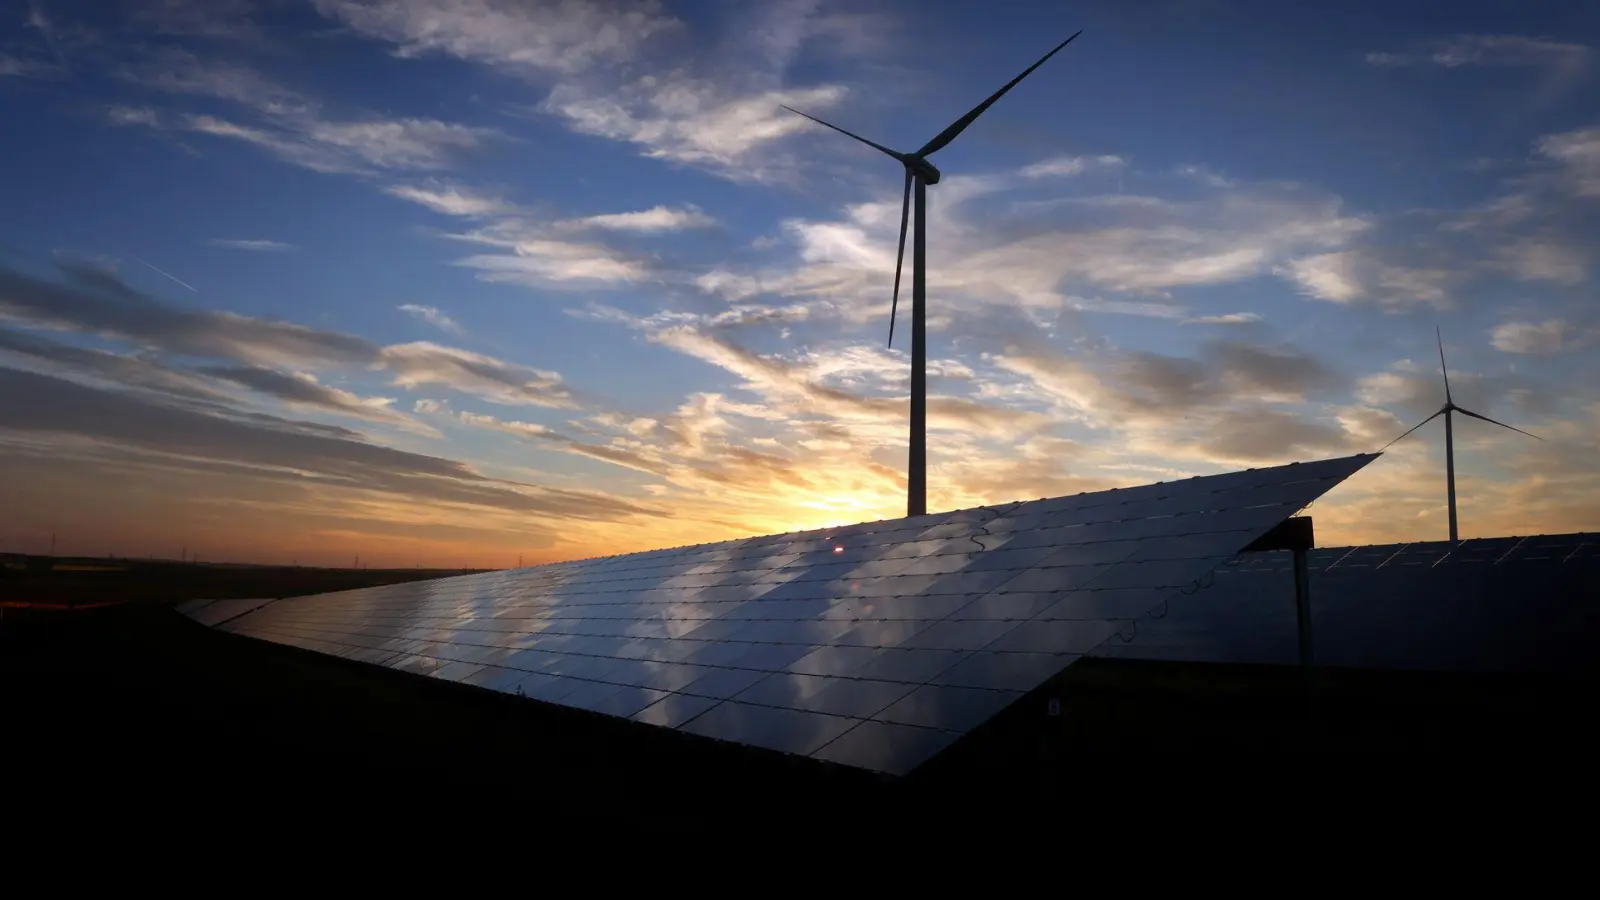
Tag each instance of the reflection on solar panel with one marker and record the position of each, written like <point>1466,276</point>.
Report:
<point>871,645</point>
<point>1529,604</point>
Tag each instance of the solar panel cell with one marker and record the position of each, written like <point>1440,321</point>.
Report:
<point>947,707</point>
<point>1004,671</point>
<point>785,730</point>
<point>885,747</point>
<point>673,710</point>
<point>959,635</point>
<point>851,697</point>
<point>911,665</point>
<point>1008,605</point>
<point>723,683</point>
<point>627,701</point>
<point>1059,636</point>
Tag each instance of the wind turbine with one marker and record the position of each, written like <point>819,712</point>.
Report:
<point>1449,434</point>
<point>919,174</point>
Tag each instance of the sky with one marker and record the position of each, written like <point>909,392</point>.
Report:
<point>468,282</point>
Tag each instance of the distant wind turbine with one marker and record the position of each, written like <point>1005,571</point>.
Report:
<point>919,174</point>
<point>1449,435</point>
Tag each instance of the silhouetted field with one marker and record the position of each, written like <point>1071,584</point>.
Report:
<point>138,688</point>
<point>53,581</point>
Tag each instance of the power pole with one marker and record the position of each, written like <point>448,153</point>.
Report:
<point>52,543</point>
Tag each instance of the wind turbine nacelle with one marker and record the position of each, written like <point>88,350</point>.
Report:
<point>923,168</point>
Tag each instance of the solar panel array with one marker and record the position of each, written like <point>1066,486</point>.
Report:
<point>873,645</point>
<point>1473,551</point>
<point>1507,604</point>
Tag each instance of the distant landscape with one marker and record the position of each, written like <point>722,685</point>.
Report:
<point>47,583</point>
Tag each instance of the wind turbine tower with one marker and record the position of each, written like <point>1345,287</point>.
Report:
<point>1449,435</point>
<point>919,174</point>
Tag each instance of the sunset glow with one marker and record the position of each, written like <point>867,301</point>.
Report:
<point>458,282</point>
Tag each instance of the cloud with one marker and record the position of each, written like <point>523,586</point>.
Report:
<point>133,115</point>
<point>126,371</point>
<point>540,262</point>
<point>1264,435</point>
<point>1238,318</point>
<point>450,199</point>
<point>433,316</point>
<point>1560,66</point>
<point>40,22</point>
<point>538,258</point>
<point>1058,252</point>
<point>702,461</point>
<point>1578,154</point>
<point>615,455</point>
<point>1540,227</point>
<point>354,147</point>
<point>799,388</point>
<point>543,254</point>
<point>1490,50</point>
<point>18,67</point>
<point>122,426</point>
<point>610,81</point>
<point>288,147</point>
<point>93,300</point>
<point>1412,392</point>
<point>1547,337</point>
<point>681,119</point>
<point>1356,275</point>
<point>208,19</point>
<point>564,37</point>
<point>292,125</point>
<point>400,143</point>
<point>657,218</point>
<point>1224,408</point>
<point>1141,388</point>
<point>423,363</point>
<point>1550,256</point>
<point>256,245</point>
<point>301,389</point>
<point>174,70</point>
<point>1071,165</point>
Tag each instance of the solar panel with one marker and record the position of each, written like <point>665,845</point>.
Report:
<point>872,645</point>
<point>1487,605</point>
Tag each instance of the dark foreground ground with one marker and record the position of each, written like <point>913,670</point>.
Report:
<point>138,692</point>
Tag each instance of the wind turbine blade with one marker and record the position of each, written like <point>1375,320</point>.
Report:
<point>900,255</point>
<point>1411,429</point>
<point>1468,412</point>
<point>1442,367</point>
<point>846,133</point>
<point>949,134</point>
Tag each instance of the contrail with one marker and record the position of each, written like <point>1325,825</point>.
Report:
<point>159,272</point>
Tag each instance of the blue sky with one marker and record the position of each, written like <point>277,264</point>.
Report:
<point>456,280</point>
